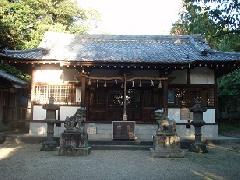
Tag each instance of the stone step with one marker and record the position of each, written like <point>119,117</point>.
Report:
<point>120,147</point>
<point>120,142</point>
<point>110,144</point>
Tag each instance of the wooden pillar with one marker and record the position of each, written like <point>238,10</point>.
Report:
<point>216,98</point>
<point>83,89</point>
<point>165,97</point>
<point>125,99</point>
<point>188,76</point>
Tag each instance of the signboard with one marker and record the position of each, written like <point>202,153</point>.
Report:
<point>123,130</point>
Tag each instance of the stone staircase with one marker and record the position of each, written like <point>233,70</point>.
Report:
<point>95,144</point>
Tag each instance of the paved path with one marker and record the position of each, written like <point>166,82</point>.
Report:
<point>26,162</point>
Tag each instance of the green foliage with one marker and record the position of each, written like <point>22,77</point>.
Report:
<point>229,129</point>
<point>13,71</point>
<point>23,22</point>
<point>219,22</point>
<point>229,84</point>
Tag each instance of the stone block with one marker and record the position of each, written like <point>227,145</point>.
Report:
<point>82,151</point>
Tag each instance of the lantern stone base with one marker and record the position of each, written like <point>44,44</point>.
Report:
<point>198,148</point>
<point>84,151</point>
<point>167,146</point>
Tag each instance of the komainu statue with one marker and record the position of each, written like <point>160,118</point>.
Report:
<point>74,140</point>
<point>75,122</point>
<point>166,143</point>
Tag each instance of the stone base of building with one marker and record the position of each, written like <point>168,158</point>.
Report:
<point>49,145</point>
<point>142,132</point>
<point>74,151</point>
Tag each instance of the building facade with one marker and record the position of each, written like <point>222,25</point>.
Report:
<point>124,78</point>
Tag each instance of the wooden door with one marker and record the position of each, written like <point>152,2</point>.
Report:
<point>106,103</point>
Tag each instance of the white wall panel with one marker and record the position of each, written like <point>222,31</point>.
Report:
<point>47,76</point>
<point>202,75</point>
<point>38,112</point>
<point>208,116</point>
<point>67,111</point>
<point>40,129</point>
<point>174,113</point>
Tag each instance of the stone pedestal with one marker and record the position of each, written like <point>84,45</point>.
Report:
<point>74,140</point>
<point>72,144</point>
<point>166,146</point>
<point>49,144</point>
<point>166,143</point>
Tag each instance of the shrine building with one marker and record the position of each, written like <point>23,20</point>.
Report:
<point>124,78</point>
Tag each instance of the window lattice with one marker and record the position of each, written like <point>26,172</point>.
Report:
<point>184,97</point>
<point>63,94</point>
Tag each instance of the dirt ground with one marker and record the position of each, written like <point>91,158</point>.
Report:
<point>27,162</point>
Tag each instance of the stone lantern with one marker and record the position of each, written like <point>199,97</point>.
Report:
<point>166,143</point>
<point>198,122</point>
<point>49,144</point>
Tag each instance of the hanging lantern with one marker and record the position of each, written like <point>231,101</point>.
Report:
<point>160,84</point>
<point>97,83</point>
<point>116,82</point>
<point>152,83</point>
<point>140,83</point>
<point>89,82</point>
<point>133,84</point>
<point>105,84</point>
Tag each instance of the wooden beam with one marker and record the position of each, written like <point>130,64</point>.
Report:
<point>165,97</point>
<point>127,78</point>
<point>146,78</point>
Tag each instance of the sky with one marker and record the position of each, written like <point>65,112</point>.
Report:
<point>136,17</point>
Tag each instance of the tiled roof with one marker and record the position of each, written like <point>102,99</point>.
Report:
<point>12,78</point>
<point>123,48</point>
<point>25,54</point>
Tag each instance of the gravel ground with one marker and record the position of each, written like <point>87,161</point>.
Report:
<point>26,162</point>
